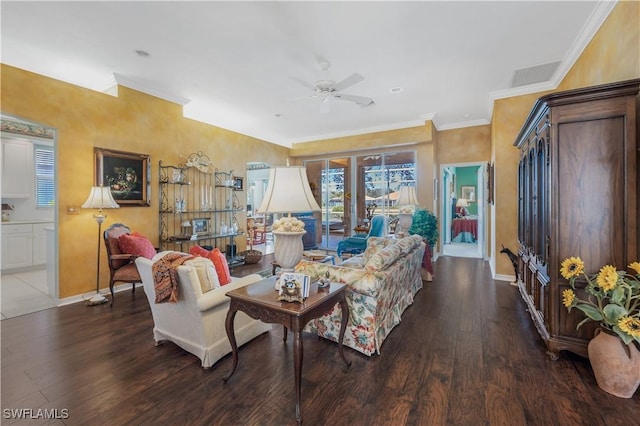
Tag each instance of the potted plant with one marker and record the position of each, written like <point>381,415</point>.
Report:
<point>425,224</point>
<point>613,300</point>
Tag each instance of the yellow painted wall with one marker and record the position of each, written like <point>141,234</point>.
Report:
<point>612,55</point>
<point>465,145</point>
<point>133,122</point>
<point>375,140</point>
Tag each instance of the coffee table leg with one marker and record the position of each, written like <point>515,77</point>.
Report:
<point>343,326</point>
<point>232,339</point>
<point>297,360</point>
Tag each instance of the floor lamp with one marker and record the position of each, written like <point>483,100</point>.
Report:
<point>99,198</point>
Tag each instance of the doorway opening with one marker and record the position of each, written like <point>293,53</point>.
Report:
<point>462,228</point>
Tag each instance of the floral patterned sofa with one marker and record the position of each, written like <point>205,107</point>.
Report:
<point>382,283</point>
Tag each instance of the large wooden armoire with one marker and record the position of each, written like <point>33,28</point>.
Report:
<point>577,196</point>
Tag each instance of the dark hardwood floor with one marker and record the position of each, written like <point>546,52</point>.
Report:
<point>466,353</point>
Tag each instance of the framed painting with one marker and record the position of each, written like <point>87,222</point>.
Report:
<point>238,183</point>
<point>202,226</point>
<point>127,174</point>
<point>468,192</point>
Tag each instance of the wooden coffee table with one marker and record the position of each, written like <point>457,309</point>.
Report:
<point>260,301</point>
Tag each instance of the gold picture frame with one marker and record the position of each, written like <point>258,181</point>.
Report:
<point>468,192</point>
<point>127,174</point>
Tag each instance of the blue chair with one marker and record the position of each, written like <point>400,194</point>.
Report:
<point>357,244</point>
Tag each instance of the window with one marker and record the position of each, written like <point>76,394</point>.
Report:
<point>354,188</point>
<point>45,191</point>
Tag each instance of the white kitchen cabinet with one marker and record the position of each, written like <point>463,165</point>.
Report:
<point>17,246</point>
<point>24,244</point>
<point>17,168</point>
<point>40,243</point>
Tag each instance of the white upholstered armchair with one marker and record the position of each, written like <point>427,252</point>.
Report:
<point>196,322</point>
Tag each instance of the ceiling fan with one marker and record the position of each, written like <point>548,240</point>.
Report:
<point>326,90</point>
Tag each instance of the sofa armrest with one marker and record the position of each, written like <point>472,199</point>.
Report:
<point>218,296</point>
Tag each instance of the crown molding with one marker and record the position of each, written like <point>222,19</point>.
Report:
<point>145,87</point>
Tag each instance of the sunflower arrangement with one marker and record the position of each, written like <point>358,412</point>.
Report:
<point>613,297</point>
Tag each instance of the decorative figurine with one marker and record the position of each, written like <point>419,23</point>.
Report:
<point>324,282</point>
<point>290,291</point>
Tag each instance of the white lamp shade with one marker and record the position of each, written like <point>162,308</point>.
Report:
<point>100,198</point>
<point>462,202</point>
<point>288,191</point>
<point>407,196</point>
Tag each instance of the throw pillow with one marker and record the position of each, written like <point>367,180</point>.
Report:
<point>374,245</point>
<point>136,245</point>
<point>198,251</point>
<point>206,273</point>
<point>219,262</point>
<point>383,258</point>
<point>222,267</point>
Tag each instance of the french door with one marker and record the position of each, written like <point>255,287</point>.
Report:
<point>350,190</point>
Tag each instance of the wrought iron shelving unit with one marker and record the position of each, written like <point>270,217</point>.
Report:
<point>198,206</point>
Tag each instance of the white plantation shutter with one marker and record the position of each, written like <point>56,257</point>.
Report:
<point>45,191</point>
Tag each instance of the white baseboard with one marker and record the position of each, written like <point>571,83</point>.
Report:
<point>502,277</point>
<point>84,297</point>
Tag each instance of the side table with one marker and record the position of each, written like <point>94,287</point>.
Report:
<point>260,301</point>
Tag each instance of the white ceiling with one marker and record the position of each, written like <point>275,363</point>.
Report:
<point>240,65</point>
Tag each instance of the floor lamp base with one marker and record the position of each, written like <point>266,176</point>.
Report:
<point>97,299</point>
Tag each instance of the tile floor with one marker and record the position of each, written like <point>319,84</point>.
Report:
<point>24,292</point>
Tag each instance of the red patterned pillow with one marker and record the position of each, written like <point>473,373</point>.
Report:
<point>219,262</point>
<point>136,245</point>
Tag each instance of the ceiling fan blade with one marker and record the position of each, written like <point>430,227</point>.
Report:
<point>348,82</point>
<point>303,83</point>
<point>360,100</point>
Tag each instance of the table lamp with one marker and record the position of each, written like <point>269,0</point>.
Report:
<point>462,204</point>
<point>407,201</point>
<point>99,198</point>
<point>288,191</point>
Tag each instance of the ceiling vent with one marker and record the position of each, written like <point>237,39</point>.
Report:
<point>533,75</point>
